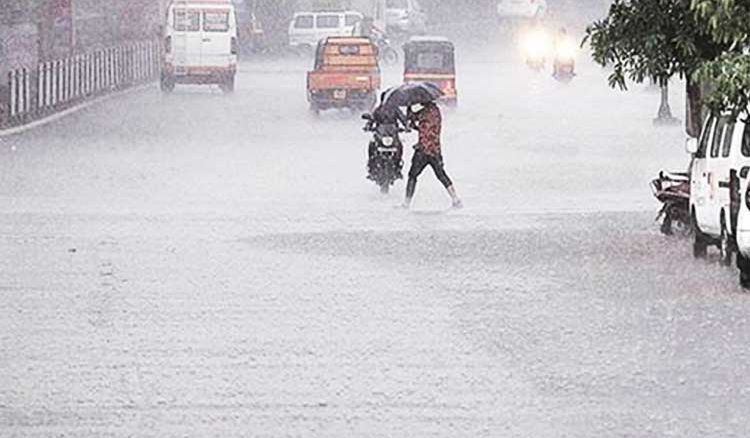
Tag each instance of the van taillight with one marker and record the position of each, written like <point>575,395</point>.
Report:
<point>168,44</point>
<point>234,46</point>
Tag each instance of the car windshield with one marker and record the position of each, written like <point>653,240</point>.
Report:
<point>216,21</point>
<point>429,61</point>
<point>186,20</point>
<point>327,21</point>
<point>304,22</point>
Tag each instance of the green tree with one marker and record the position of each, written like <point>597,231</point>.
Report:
<point>655,40</point>
<point>729,74</point>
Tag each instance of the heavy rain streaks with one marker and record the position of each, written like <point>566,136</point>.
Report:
<point>204,263</point>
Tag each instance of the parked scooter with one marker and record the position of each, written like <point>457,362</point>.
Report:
<point>673,190</point>
<point>385,152</point>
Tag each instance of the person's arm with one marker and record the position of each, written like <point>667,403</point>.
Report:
<point>403,119</point>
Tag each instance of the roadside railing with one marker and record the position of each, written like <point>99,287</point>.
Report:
<point>34,93</point>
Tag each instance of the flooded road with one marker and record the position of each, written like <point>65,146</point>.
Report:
<point>201,264</point>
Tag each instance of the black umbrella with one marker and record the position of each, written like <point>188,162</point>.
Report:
<point>412,93</point>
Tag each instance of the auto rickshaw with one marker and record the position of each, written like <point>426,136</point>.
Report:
<point>346,74</point>
<point>432,59</point>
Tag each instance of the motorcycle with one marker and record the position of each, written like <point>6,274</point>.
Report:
<point>564,70</point>
<point>673,190</point>
<point>535,45</point>
<point>564,67</point>
<point>385,152</point>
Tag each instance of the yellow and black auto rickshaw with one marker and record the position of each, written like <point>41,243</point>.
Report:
<point>432,59</point>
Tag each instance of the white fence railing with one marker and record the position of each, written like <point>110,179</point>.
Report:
<point>53,86</point>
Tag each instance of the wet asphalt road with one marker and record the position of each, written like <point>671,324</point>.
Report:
<point>209,265</point>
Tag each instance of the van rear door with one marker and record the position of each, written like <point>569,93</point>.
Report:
<point>187,36</point>
<point>218,28</point>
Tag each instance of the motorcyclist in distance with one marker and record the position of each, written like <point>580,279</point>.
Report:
<point>565,49</point>
<point>366,28</point>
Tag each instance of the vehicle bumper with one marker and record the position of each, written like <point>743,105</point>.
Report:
<point>325,98</point>
<point>199,74</point>
<point>445,82</point>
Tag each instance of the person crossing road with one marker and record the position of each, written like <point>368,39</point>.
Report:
<point>428,152</point>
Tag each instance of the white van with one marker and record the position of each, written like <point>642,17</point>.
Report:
<point>200,44</point>
<point>521,9</point>
<point>743,220</point>
<point>718,158</point>
<point>308,28</point>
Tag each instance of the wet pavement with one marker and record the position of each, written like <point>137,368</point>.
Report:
<point>207,265</point>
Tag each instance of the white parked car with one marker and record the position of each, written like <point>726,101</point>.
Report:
<point>200,44</point>
<point>521,9</point>
<point>743,222</point>
<point>719,156</point>
<point>308,28</point>
<point>405,16</point>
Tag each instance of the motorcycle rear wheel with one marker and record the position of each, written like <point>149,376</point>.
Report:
<point>389,56</point>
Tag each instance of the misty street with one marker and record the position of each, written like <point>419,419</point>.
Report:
<point>201,264</point>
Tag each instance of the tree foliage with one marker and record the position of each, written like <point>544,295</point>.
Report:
<point>728,21</point>
<point>651,39</point>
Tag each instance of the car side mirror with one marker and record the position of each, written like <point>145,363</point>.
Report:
<point>367,117</point>
<point>691,146</point>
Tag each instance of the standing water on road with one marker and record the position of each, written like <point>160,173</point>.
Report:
<point>201,262</point>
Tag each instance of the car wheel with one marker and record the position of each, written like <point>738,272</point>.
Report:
<point>700,245</point>
<point>228,85</point>
<point>314,109</point>
<point>743,263</point>
<point>666,225</point>
<point>725,247</point>
<point>167,84</point>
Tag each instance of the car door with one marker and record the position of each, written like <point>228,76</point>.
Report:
<point>715,170</point>
<point>699,175</point>
<point>186,40</point>
<point>217,31</point>
<point>731,152</point>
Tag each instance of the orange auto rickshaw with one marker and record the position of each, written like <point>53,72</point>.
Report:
<point>346,74</point>
<point>432,59</point>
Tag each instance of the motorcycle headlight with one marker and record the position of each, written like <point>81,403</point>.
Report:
<point>387,141</point>
<point>535,44</point>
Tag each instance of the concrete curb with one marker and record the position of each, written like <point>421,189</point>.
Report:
<point>74,109</point>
